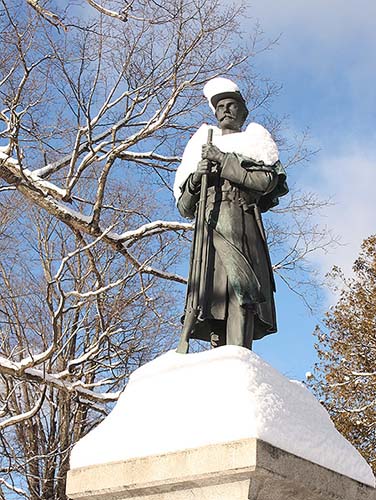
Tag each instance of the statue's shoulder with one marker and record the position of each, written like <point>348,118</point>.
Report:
<point>200,136</point>
<point>197,135</point>
<point>261,144</point>
<point>255,128</point>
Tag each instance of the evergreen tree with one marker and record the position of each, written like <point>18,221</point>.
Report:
<point>345,376</point>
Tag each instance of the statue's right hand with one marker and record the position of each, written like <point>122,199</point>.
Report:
<point>203,167</point>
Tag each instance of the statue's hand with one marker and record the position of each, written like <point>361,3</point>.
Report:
<point>203,167</point>
<point>211,152</point>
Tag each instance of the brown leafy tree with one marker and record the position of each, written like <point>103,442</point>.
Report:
<point>345,377</point>
<point>97,100</point>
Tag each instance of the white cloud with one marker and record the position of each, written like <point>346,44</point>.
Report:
<point>333,20</point>
<point>325,61</point>
<point>320,36</point>
<point>349,178</point>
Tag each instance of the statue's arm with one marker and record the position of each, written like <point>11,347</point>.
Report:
<point>248,174</point>
<point>190,194</point>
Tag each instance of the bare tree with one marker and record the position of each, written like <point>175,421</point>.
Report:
<point>75,321</point>
<point>98,99</point>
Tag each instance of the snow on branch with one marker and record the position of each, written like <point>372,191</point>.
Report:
<point>149,155</point>
<point>46,14</point>
<point>11,170</point>
<point>118,15</point>
<point>363,374</point>
<point>150,229</point>
<point>89,354</point>
<point>13,488</point>
<point>16,370</point>
<point>361,409</point>
<point>17,419</point>
<point>45,194</point>
<point>35,359</point>
<point>156,122</point>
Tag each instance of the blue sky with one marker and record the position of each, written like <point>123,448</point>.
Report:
<point>325,62</point>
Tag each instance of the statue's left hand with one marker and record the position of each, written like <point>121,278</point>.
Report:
<point>212,153</point>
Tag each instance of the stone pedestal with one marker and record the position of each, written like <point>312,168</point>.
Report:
<point>216,425</point>
<point>246,469</point>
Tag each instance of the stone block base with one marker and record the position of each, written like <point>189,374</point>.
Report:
<point>247,469</point>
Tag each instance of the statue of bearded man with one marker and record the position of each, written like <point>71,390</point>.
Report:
<point>244,178</point>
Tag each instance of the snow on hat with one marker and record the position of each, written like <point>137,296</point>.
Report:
<point>220,88</point>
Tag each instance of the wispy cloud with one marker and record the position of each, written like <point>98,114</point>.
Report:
<point>333,24</point>
<point>325,52</point>
<point>348,177</point>
<point>325,61</point>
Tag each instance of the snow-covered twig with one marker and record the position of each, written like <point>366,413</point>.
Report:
<point>122,15</point>
<point>152,228</point>
<point>23,416</point>
<point>46,14</point>
<point>13,488</point>
<point>34,180</point>
<point>16,370</point>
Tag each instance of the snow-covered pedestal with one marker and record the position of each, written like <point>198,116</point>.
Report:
<point>217,425</point>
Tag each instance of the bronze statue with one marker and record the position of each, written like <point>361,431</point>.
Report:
<point>226,179</point>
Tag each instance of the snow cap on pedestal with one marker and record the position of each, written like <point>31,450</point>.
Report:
<point>184,401</point>
<point>222,88</point>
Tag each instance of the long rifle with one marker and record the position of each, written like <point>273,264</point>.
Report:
<point>195,306</point>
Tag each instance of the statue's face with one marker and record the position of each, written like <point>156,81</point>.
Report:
<point>230,114</point>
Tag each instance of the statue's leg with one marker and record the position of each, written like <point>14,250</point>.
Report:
<point>240,323</point>
<point>248,326</point>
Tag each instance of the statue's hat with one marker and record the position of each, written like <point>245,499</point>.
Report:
<point>221,88</point>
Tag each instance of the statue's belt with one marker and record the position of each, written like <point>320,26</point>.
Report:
<point>234,195</point>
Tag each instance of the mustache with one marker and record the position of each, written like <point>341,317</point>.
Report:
<point>227,115</point>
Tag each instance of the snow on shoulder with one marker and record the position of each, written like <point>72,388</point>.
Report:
<point>186,401</point>
<point>255,143</point>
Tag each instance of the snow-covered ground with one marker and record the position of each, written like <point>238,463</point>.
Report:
<point>181,401</point>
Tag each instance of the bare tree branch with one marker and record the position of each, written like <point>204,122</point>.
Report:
<point>122,16</point>
<point>46,14</point>
<point>18,419</point>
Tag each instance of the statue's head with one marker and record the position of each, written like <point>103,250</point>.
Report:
<point>231,114</point>
<point>227,103</point>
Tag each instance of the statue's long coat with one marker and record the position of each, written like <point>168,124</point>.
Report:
<point>235,251</point>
